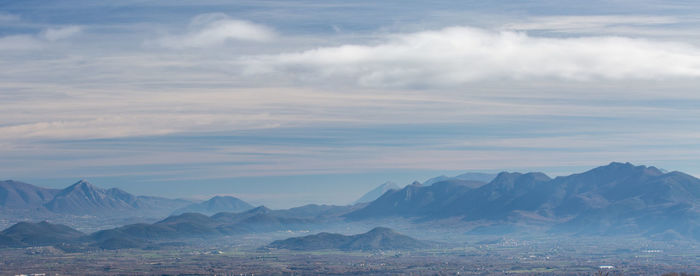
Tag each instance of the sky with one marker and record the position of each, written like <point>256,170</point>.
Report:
<point>285,103</point>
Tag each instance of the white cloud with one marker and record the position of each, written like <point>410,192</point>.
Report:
<point>37,41</point>
<point>53,34</point>
<point>214,29</point>
<point>459,55</point>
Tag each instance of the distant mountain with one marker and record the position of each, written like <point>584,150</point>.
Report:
<point>83,198</point>
<point>195,225</point>
<point>377,192</point>
<point>35,234</point>
<point>612,199</point>
<point>215,205</point>
<point>315,211</point>
<point>379,238</point>
<point>480,177</point>
<point>20,195</point>
<point>415,200</point>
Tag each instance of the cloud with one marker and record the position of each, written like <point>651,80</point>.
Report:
<point>38,41</point>
<point>53,34</point>
<point>459,55</point>
<point>215,29</point>
<point>595,23</point>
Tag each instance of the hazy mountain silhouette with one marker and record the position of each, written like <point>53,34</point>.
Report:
<point>83,198</point>
<point>415,199</point>
<point>20,195</point>
<point>215,205</point>
<point>191,225</point>
<point>379,238</point>
<point>377,192</point>
<point>315,211</point>
<point>618,198</point>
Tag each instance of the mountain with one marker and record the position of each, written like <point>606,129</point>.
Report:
<point>377,192</point>
<point>315,211</point>
<point>612,199</point>
<point>195,225</point>
<point>379,238</point>
<point>83,198</point>
<point>19,195</point>
<point>480,177</point>
<point>215,205</point>
<point>36,234</point>
<point>415,200</point>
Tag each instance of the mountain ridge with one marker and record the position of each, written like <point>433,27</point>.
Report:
<point>616,198</point>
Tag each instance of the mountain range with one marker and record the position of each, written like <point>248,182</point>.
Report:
<point>195,225</point>
<point>613,199</point>
<point>83,198</point>
<point>140,235</point>
<point>619,198</point>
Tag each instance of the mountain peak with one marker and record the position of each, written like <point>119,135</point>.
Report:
<point>506,177</point>
<point>620,164</point>
<point>377,192</point>
<point>82,184</point>
<point>627,167</point>
<point>381,231</point>
<point>216,204</point>
<point>389,184</point>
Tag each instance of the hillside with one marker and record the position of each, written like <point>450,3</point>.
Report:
<point>379,238</point>
<point>35,234</point>
<point>20,195</point>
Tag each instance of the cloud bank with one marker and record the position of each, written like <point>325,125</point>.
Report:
<point>459,55</point>
<point>215,29</point>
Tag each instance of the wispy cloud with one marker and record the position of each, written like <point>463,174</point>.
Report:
<point>590,24</point>
<point>40,40</point>
<point>215,29</point>
<point>53,34</point>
